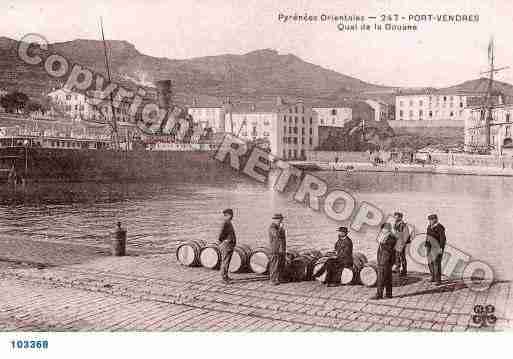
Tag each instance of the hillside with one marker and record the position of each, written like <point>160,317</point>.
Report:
<point>481,85</point>
<point>254,75</point>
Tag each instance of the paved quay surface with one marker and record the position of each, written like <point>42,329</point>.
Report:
<point>154,293</point>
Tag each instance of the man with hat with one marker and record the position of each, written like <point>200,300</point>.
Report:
<point>227,242</point>
<point>385,257</point>
<point>435,245</point>
<point>401,232</point>
<point>344,258</point>
<point>277,244</point>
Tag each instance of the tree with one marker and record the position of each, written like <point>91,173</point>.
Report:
<point>14,101</point>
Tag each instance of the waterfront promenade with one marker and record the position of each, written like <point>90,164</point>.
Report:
<point>75,288</point>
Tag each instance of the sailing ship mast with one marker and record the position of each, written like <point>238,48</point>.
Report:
<point>488,103</point>
<point>114,132</point>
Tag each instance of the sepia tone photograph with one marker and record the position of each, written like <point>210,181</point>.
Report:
<point>258,166</point>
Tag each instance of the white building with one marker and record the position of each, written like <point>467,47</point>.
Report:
<point>209,117</point>
<point>333,116</point>
<point>435,106</point>
<point>380,108</point>
<point>78,107</point>
<point>501,127</point>
<point>288,129</point>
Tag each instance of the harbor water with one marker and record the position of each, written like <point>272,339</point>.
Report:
<point>476,211</point>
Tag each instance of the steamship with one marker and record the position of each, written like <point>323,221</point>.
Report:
<point>32,155</point>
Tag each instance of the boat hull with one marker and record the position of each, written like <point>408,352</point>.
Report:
<point>46,164</point>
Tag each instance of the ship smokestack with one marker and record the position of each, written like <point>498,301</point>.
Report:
<point>164,93</point>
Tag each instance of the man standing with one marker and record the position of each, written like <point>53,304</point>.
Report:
<point>435,245</point>
<point>385,257</point>
<point>227,244</point>
<point>278,244</point>
<point>344,259</point>
<point>401,232</point>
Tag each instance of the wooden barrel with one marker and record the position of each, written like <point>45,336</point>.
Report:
<point>301,267</point>
<point>240,259</point>
<point>210,256</point>
<point>259,260</point>
<point>369,274</point>
<point>319,271</point>
<point>290,255</point>
<point>352,275</point>
<point>188,253</point>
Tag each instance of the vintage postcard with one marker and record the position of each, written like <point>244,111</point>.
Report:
<point>257,166</point>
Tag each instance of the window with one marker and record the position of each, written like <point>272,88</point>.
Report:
<point>303,131</point>
<point>421,103</point>
<point>295,109</point>
<point>411,113</point>
<point>507,117</point>
<point>310,120</point>
<point>333,112</point>
<point>507,131</point>
<point>400,103</point>
<point>311,131</point>
<point>420,113</point>
<point>452,114</point>
<point>430,113</point>
<point>311,141</point>
<point>411,102</point>
<point>401,113</point>
<point>333,121</point>
<point>295,130</point>
<point>68,97</point>
<point>295,120</point>
<point>295,140</point>
<point>461,104</point>
<point>322,121</point>
<point>445,98</point>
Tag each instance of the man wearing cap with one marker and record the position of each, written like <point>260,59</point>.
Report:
<point>435,245</point>
<point>344,259</point>
<point>227,242</point>
<point>401,232</point>
<point>278,244</point>
<point>385,257</point>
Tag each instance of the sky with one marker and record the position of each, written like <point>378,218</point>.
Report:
<point>437,54</point>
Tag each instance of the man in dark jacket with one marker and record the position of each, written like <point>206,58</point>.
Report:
<point>344,258</point>
<point>386,258</point>
<point>435,245</point>
<point>277,244</point>
<point>227,242</point>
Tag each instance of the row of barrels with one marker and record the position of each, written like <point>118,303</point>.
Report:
<point>302,265</point>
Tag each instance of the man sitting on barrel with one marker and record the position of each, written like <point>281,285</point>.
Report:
<point>343,259</point>
<point>277,243</point>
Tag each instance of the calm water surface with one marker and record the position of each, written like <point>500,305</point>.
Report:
<point>476,211</point>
